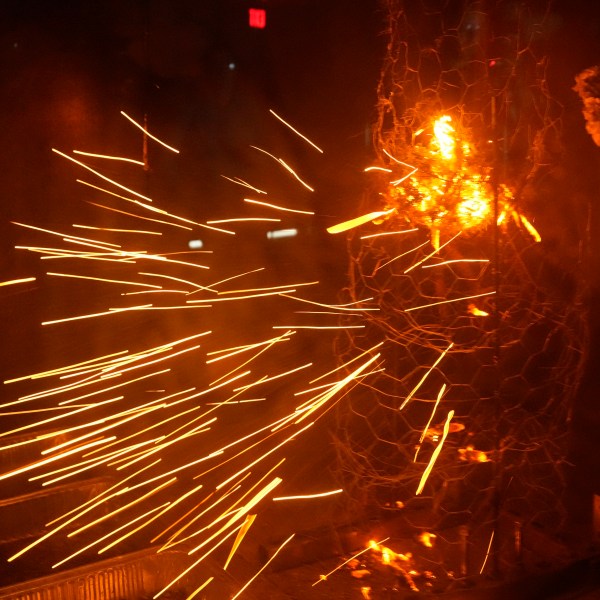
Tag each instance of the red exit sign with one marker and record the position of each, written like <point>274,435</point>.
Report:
<point>257,18</point>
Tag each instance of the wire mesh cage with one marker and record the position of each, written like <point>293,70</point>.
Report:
<point>480,327</point>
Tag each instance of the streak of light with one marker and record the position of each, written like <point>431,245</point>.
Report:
<point>449,301</point>
<point>227,352</point>
<point>216,283</point>
<point>434,455</point>
<point>212,300</point>
<point>238,540</point>
<point>123,507</point>
<point>263,456</point>
<point>129,417</point>
<point>316,312</point>
<point>77,162</point>
<point>369,169</point>
<point>112,311</point>
<point>357,221</point>
<point>102,244</point>
<point>286,167</point>
<point>152,362</point>
<point>397,161</point>
<point>270,426</point>
<point>80,510</point>
<point>487,553</point>
<point>264,566</point>
<point>55,253</point>
<point>426,428</point>
<point>431,253</point>
<point>278,376</point>
<point>530,228</point>
<point>153,292</point>
<point>309,496</point>
<point>61,416</point>
<point>383,233</point>
<point>172,540</point>
<point>397,182</point>
<point>182,517</point>
<point>319,326</point>
<point>164,444</point>
<point>15,281</point>
<point>152,209</point>
<point>421,381</point>
<point>199,589</point>
<point>295,131</point>
<point>243,183</point>
<point>135,530</point>
<point>115,386</point>
<point>338,307</point>
<point>240,512</point>
<point>146,132</point>
<point>233,402</point>
<point>99,540</point>
<point>136,216</point>
<point>243,220</point>
<point>335,388</point>
<point>45,461</point>
<point>266,289</point>
<point>147,285</point>
<point>276,207</point>
<point>347,363</point>
<point>193,565</point>
<point>156,424</point>
<point>439,397</point>
<point>458,260</point>
<point>385,264</point>
<point>84,465</point>
<point>109,157</point>
<point>66,369</point>
<point>116,230</point>
<point>369,547</point>
<point>186,281</point>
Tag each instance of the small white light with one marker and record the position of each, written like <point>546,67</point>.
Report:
<point>281,233</point>
<point>195,244</point>
<point>231,66</point>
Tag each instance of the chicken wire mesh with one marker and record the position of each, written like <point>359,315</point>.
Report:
<point>481,330</point>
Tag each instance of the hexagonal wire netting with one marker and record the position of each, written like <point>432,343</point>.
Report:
<point>482,335</point>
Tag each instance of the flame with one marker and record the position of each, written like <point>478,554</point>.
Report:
<point>470,454</point>
<point>476,312</point>
<point>444,139</point>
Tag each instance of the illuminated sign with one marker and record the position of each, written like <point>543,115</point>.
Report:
<point>257,18</point>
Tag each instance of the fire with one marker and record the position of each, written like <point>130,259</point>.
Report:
<point>444,137</point>
<point>446,186</point>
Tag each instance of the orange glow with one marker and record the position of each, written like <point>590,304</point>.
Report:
<point>444,138</point>
<point>470,454</point>
<point>476,312</point>
<point>427,539</point>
